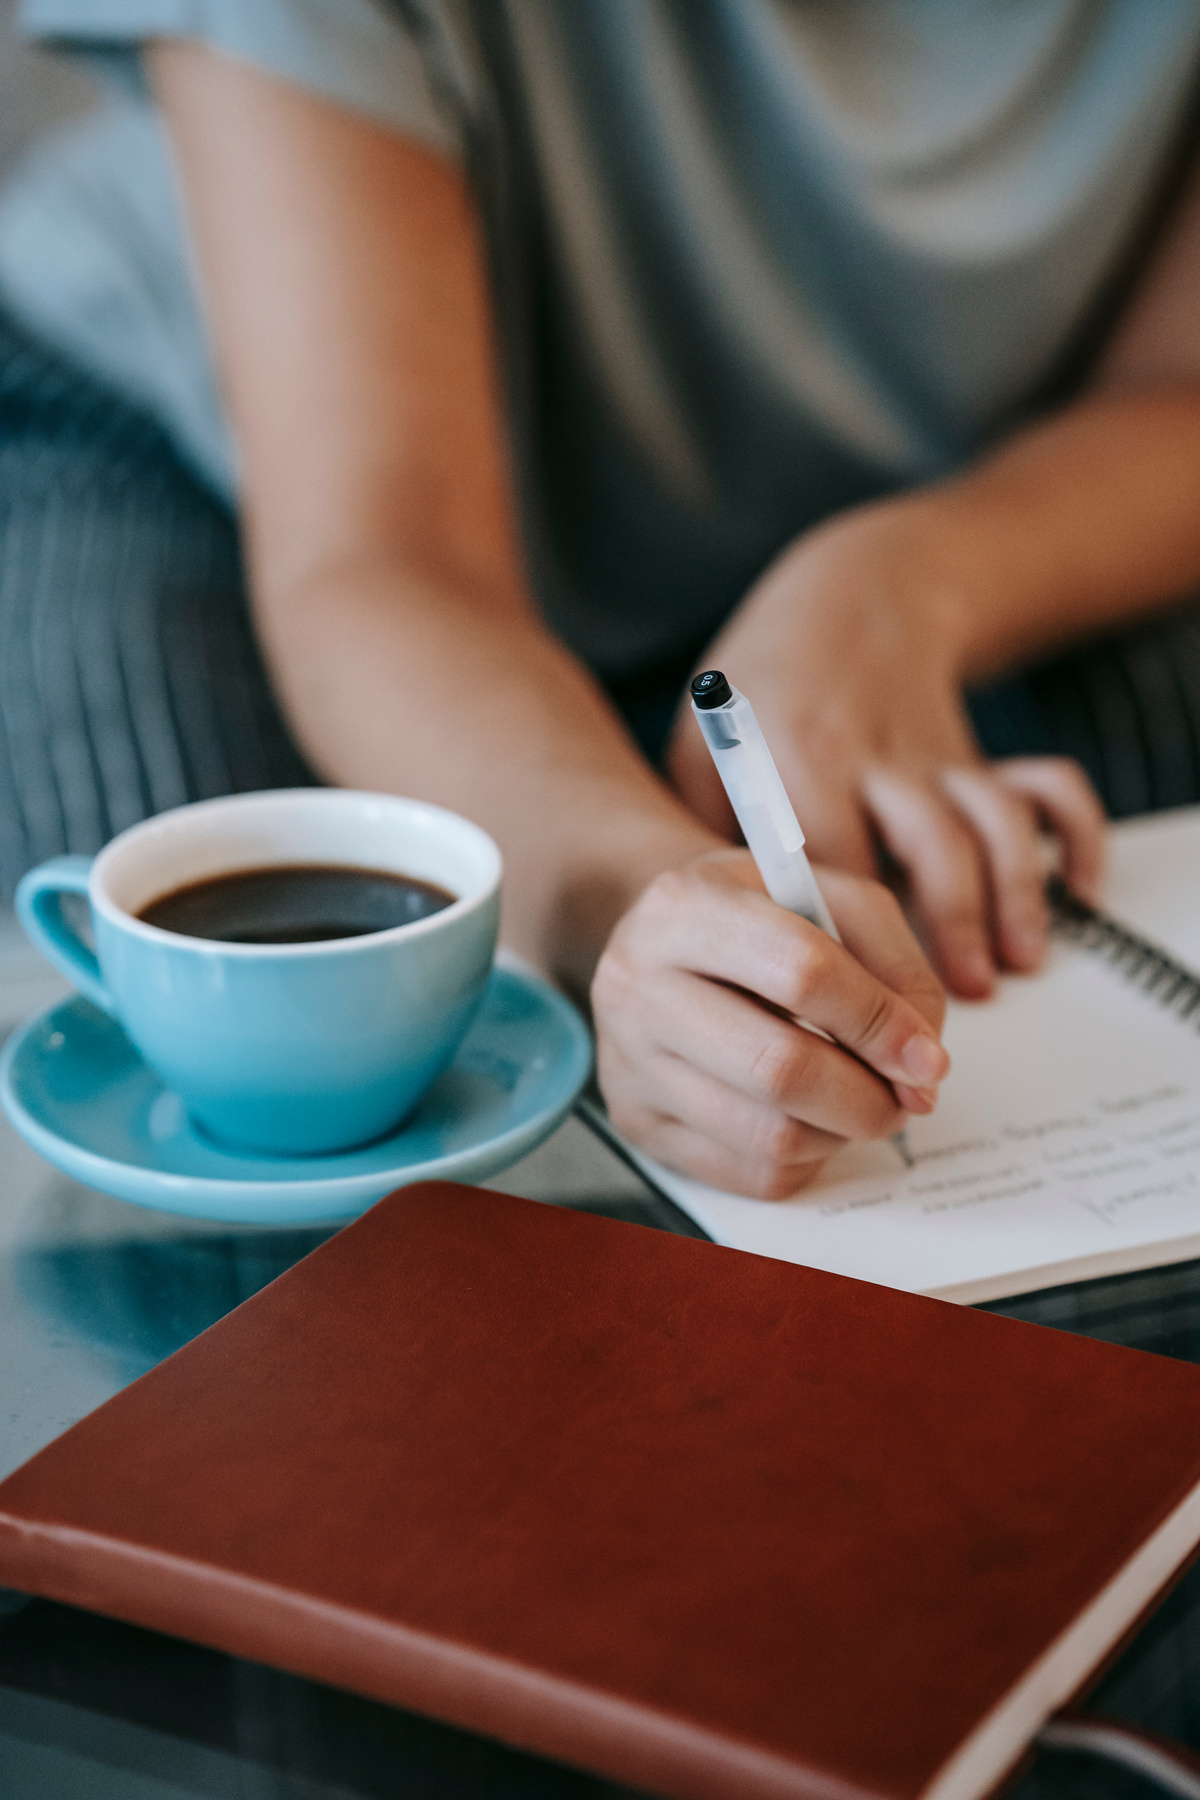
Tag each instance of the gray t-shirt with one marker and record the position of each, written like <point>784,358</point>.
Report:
<point>755,260</point>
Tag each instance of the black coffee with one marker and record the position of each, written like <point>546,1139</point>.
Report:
<point>295,904</point>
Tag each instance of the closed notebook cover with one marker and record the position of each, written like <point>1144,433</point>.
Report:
<point>707,1523</point>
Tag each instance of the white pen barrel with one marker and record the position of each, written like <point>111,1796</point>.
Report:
<point>763,810</point>
<point>794,886</point>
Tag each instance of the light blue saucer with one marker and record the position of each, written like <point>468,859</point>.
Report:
<point>75,1088</point>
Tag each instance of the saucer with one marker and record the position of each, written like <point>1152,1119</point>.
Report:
<point>75,1088</point>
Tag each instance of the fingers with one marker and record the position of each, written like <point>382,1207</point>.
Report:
<point>700,923</point>
<point>700,992</point>
<point>970,841</point>
<point>773,1064</point>
<point>1069,803</point>
<point>700,1057</point>
<point>932,841</point>
<point>875,931</point>
<point>1006,826</point>
<point>681,1146</point>
<point>685,1118</point>
<point>837,820</point>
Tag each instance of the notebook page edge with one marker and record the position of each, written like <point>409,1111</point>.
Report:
<point>998,1741</point>
<point>1124,1261</point>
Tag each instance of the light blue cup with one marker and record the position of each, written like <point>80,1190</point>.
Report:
<point>292,1049</point>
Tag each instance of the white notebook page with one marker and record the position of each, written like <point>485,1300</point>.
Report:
<point>1066,1143</point>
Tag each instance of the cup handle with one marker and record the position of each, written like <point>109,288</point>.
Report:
<point>38,909</point>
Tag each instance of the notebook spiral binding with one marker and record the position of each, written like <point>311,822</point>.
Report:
<point>1172,984</point>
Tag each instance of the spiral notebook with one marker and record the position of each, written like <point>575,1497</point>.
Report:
<point>1066,1144</point>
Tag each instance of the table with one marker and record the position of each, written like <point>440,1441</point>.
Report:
<point>93,1292</point>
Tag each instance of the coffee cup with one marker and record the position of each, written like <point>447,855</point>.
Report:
<point>290,1048</point>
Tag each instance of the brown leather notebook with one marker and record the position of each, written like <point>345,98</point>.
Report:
<point>706,1523</point>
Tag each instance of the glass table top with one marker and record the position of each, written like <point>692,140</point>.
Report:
<point>94,1291</point>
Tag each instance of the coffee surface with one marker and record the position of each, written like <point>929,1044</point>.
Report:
<point>295,904</point>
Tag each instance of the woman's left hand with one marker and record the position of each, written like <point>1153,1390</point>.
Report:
<point>851,648</point>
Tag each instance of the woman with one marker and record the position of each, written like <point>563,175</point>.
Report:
<point>567,345</point>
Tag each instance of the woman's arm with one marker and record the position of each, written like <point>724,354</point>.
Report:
<point>344,280</point>
<point>1089,519</point>
<point>344,285</point>
<point>1080,523</point>
<point>857,643</point>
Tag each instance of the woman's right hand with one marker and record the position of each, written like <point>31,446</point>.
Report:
<point>702,1060</point>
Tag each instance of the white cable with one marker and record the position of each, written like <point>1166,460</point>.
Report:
<point>1125,1745</point>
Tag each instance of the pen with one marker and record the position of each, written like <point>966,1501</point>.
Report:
<point>764,812</point>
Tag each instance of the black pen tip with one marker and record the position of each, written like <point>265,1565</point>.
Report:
<point>711,689</point>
